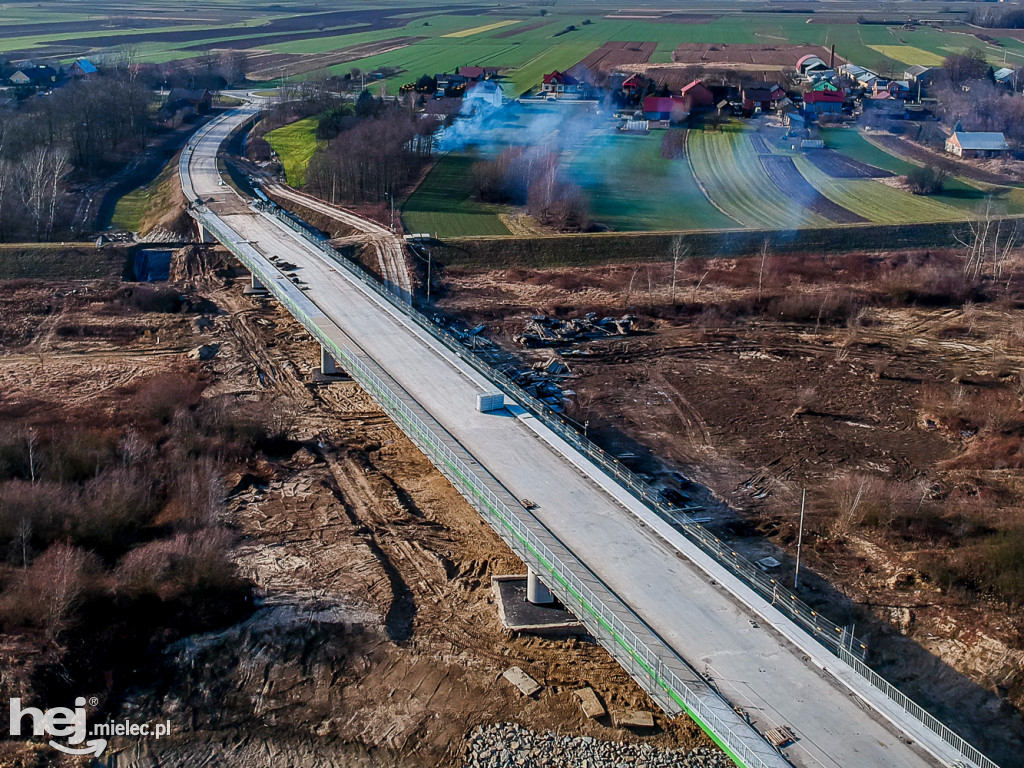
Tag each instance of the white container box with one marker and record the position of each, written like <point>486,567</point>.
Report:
<point>490,401</point>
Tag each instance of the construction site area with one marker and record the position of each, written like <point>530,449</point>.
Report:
<point>374,636</point>
<point>886,386</point>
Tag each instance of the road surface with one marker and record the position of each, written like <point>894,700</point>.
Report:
<point>751,657</point>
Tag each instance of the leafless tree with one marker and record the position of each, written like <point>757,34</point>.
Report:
<point>988,243</point>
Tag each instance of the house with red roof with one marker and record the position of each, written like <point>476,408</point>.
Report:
<point>475,74</point>
<point>698,94</point>
<point>633,83</point>
<point>824,98</point>
<point>561,85</point>
<point>665,108</point>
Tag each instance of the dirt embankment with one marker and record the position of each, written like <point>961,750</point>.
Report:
<point>376,640</point>
<point>873,381</point>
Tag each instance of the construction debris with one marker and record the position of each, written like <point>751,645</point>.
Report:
<point>780,737</point>
<point>526,684</point>
<point>633,718</point>
<point>591,705</point>
<point>544,331</point>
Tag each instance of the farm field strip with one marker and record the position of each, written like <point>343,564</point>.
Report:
<point>483,28</point>
<point>838,166</point>
<point>908,54</point>
<point>443,203</point>
<point>634,188</point>
<point>876,201</point>
<point>787,177</point>
<point>727,166</point>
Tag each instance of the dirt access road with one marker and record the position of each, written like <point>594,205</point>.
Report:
<point>378,642</point>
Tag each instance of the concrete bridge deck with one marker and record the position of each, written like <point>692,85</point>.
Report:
<point>756,658</point>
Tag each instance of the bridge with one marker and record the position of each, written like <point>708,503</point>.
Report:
<point>689,625</point>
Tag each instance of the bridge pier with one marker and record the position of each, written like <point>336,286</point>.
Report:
<point>204,234</point>
<point>255,287</point>
<point>536,591</point>
<point>328,365</point>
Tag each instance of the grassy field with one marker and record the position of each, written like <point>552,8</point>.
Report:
<point>633,188</point>
<point>443,204</point>
<point>156,196</point>
<point>727,166</point>
<point>295,144</point>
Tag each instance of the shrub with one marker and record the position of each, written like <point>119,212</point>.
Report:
<point>159,397</point>
<point>927,180</point>
<point>48,594</point>
<point>186,563</point>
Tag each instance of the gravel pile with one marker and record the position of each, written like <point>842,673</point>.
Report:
<point>509,746</point>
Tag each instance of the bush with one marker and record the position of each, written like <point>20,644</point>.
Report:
<point>48,594</point>
<point>186,563</point>
<point>927,180</point>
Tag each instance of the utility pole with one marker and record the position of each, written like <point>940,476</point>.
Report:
<point>800,540</point>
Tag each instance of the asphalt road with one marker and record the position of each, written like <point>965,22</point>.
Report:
<point>750,656</point>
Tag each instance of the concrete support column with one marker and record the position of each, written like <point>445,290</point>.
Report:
<point>204,235</point>
<point>328,365</point>
<point>256,284</point>
<point>536,592</point>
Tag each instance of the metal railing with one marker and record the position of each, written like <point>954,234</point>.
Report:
<point>822,629</point>
<point>838,640</point>
<point>604,622</point>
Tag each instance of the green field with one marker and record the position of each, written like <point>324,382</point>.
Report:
<point>721,185</point>
<point>633,188</point>
<point>443,204</point>
<point>483,36</point>
<point>726,165</point>
<point>295,144</point>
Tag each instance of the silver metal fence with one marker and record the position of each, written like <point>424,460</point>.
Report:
<point>838,640</point>
<point>604,622</point>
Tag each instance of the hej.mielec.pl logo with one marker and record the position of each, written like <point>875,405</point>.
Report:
<point>71,726</point>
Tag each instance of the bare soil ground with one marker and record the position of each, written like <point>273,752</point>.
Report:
<point>376,641</point>
<point>743,53</point>
<point>755,404</point>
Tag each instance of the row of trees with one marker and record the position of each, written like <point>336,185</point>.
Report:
<point>372,151</point>
<point>530,176</point>
<point>88,127</point>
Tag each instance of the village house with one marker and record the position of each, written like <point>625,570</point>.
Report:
<point>634,83</point>
<point>39,76</point>
<point>976,144</point>
<point>1006,77</point>
<point>918,75</point>
<point>561,85</point>
<point>824,98</point>
<point>476,74</point>
<point>484,92</point>
<point>664,108</point>
<point>762,97</point>
<point>697,95</point>
<point>82,68</point>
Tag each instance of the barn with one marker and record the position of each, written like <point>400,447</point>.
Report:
<point>977,144</point>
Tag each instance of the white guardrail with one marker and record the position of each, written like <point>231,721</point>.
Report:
<point>607,618</point>
<point>642,662</point>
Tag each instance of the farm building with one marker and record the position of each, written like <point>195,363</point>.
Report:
<point>665,108</point>
<point>698,94</point>
<point>918,74</point>
<point>762,97</point>
<point>634,83</point>
<point>824,98</point>
<point>896,88</point>
<point>561,85</point>
<point>810,65</point>
<point>82,68</point>
<point>1006,76</point>
<point>977,144</point>
<point>884,104</point>
<point>486,92</point>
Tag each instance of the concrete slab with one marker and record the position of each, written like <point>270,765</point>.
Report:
<point>520,615</point>
<point>526,684</point>
<point>633,718</point>
<point>591,705</point>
